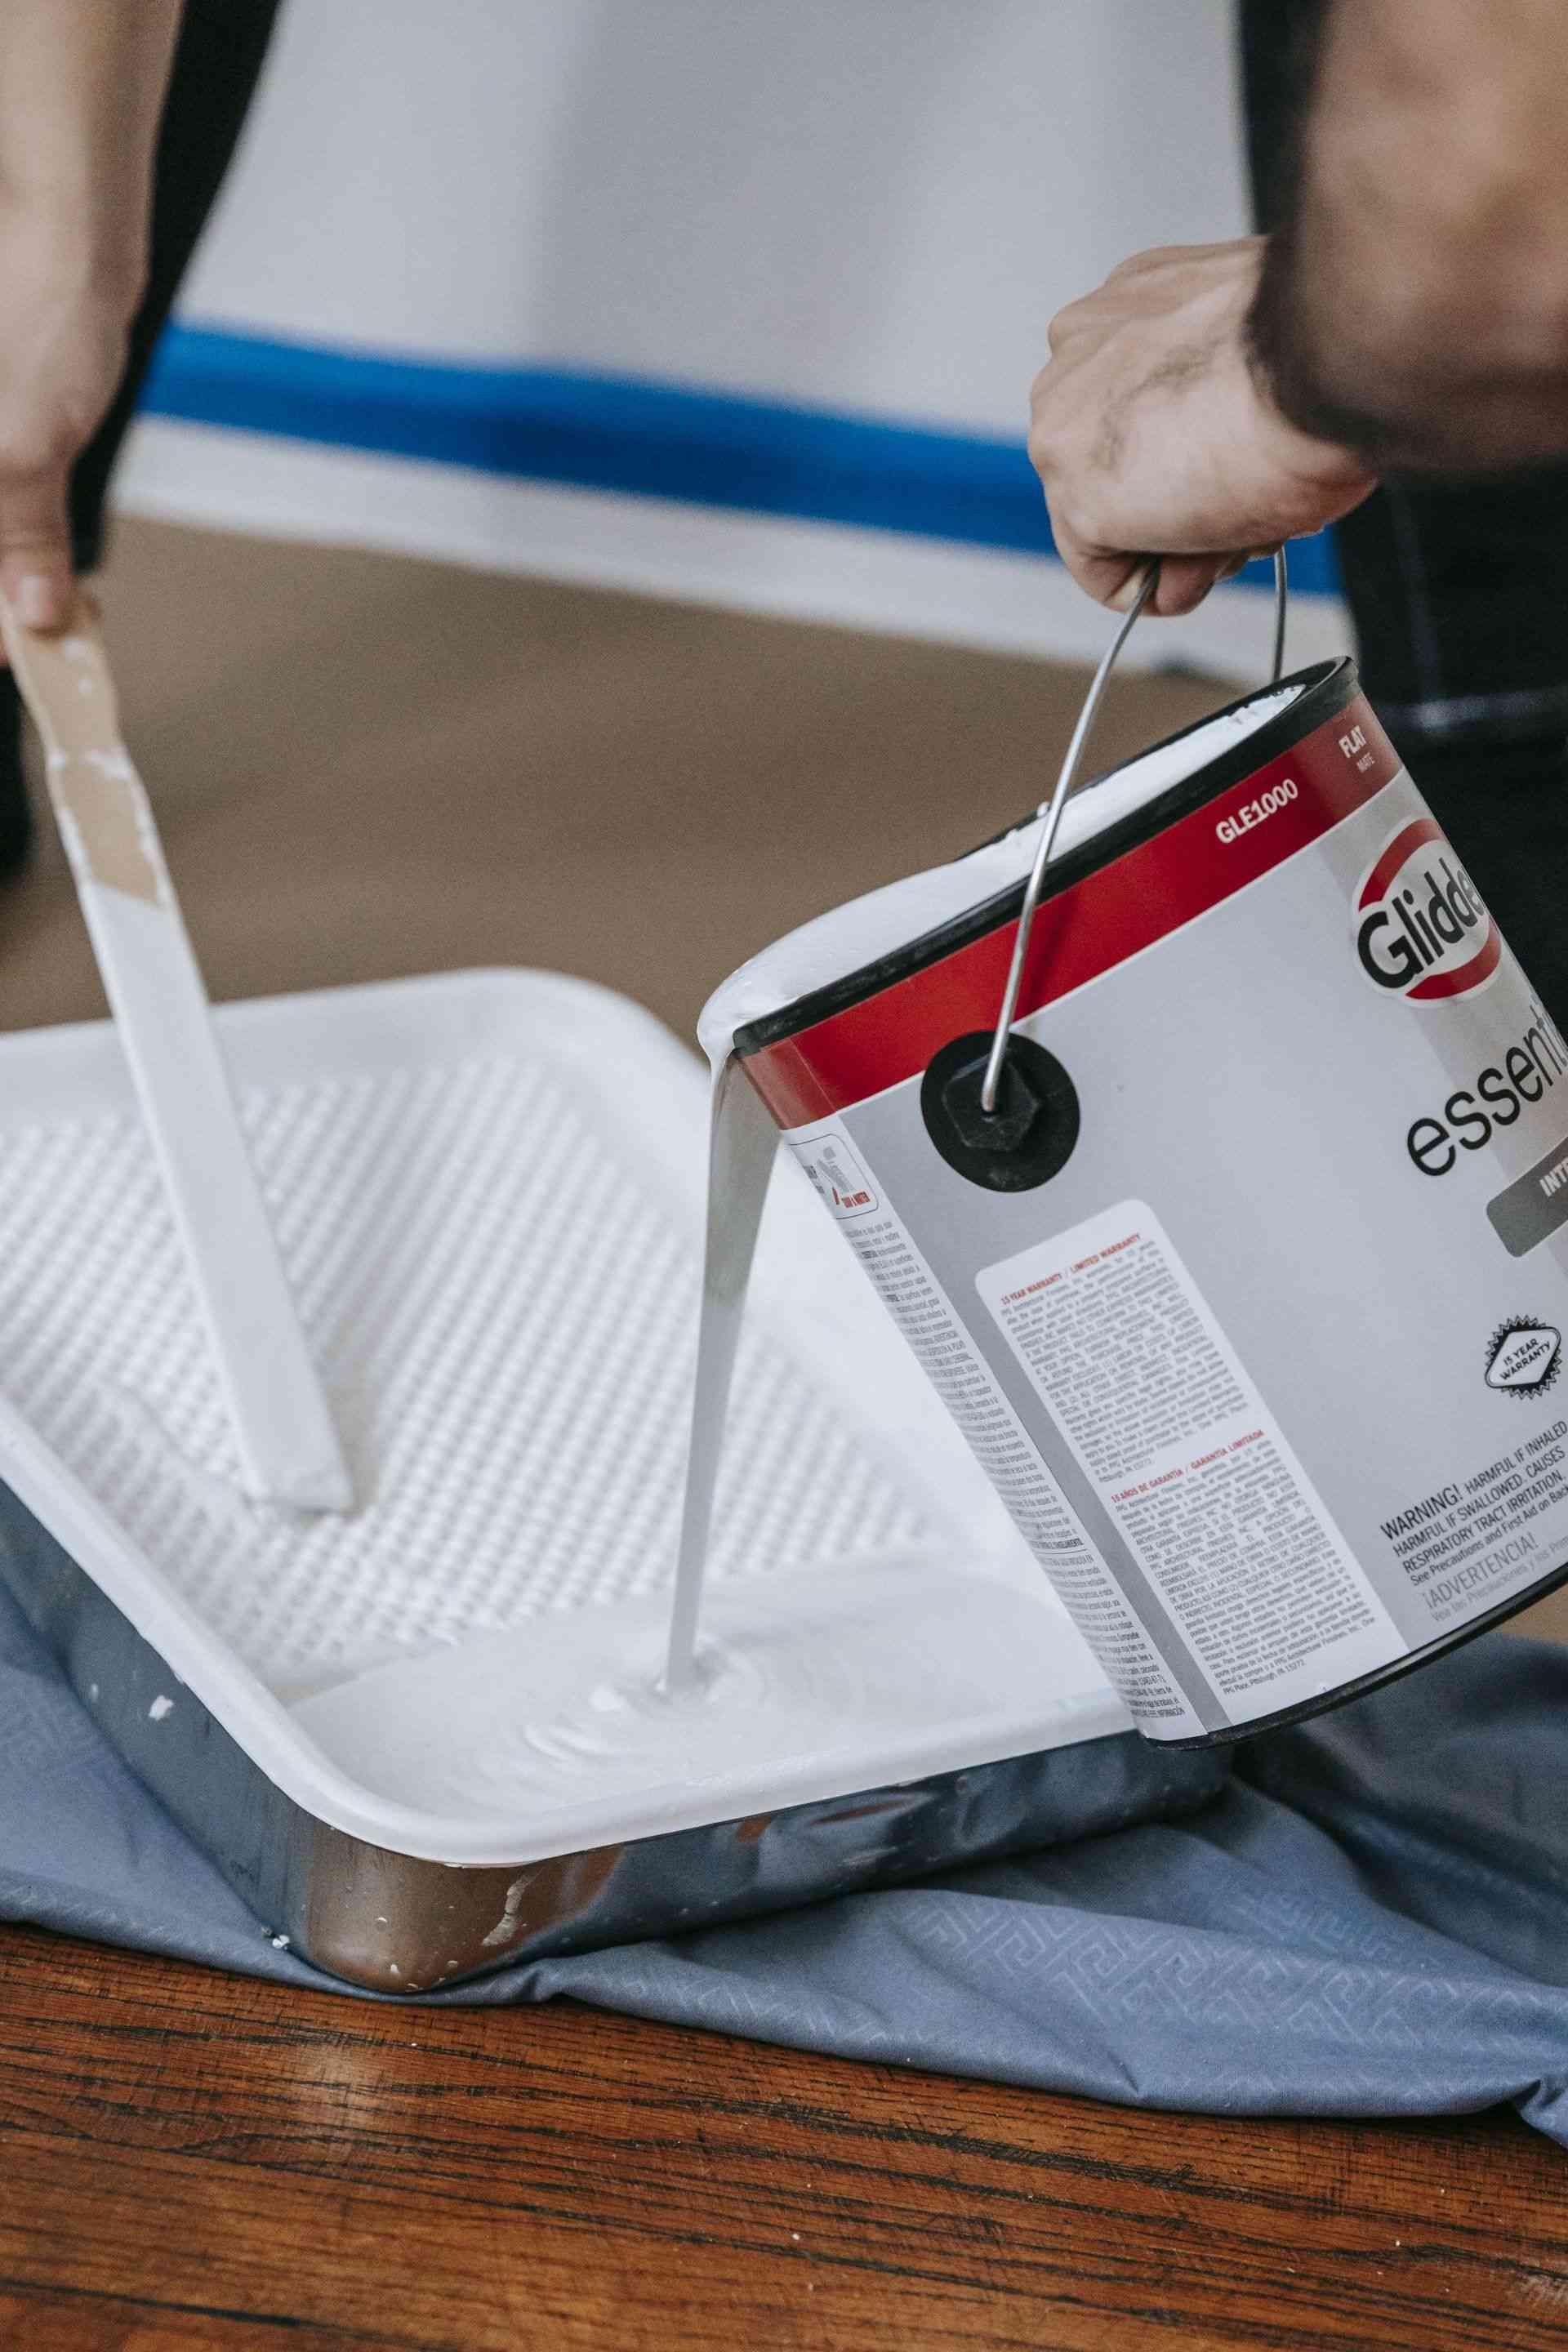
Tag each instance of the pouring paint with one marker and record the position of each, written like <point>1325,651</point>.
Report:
<point>1250,1290</point>
<point>742,1144</point>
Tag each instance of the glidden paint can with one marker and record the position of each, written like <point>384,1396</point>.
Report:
<point>1250,1295</point>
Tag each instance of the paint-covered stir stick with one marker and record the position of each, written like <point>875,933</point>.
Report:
<point>288,1443</point>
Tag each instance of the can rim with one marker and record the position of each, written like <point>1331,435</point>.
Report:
<point>1326,688</point>
<point>1394,1670</point>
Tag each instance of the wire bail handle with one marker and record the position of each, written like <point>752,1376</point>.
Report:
<point>1051,810</point>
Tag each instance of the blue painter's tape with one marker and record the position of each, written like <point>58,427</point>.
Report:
<point>628,435</point>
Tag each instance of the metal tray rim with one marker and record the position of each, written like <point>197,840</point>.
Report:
<point>397,1923</point>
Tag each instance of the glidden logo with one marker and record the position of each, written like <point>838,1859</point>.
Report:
<point>1423,930</point>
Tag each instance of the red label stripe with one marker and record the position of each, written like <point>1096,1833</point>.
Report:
<point>1406,842</point>
<point>1149,891</point>
<point>1481,966</point>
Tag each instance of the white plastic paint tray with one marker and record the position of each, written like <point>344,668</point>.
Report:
<point>487,1189</point>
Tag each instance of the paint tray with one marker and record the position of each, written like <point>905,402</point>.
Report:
<point>488,1191</point>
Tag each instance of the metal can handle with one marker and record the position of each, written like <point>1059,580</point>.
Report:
<point>1051,810</point>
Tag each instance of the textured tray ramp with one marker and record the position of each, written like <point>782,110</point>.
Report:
<point>502,1306</point>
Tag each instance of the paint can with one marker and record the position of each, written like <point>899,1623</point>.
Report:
<point>1251,1292</point>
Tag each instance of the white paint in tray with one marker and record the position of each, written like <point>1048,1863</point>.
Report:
<point>489,1197</point>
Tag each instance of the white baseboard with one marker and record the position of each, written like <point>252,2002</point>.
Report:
<point>798,570</point>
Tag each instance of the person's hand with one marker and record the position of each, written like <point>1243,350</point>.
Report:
<point>1154,433</point>
<point>64,321</point>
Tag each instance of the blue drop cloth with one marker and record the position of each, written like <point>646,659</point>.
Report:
<point>1372,1921</point>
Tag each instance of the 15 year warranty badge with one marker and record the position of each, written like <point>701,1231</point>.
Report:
<point>1524,1356</point>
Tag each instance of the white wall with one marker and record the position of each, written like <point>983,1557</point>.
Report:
<point>872,205</point>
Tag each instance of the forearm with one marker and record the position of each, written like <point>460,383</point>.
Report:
<point>1416,306</point>
<point>81,93</point>
<point>81,89</point>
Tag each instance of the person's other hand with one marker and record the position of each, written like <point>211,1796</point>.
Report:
<point>64,322</point>
<point>1153,433</point>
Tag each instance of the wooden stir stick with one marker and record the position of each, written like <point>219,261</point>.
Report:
<point>288,1443</point>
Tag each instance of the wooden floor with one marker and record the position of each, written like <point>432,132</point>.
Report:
<point>367,767</point>
<point>189,2160</point>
